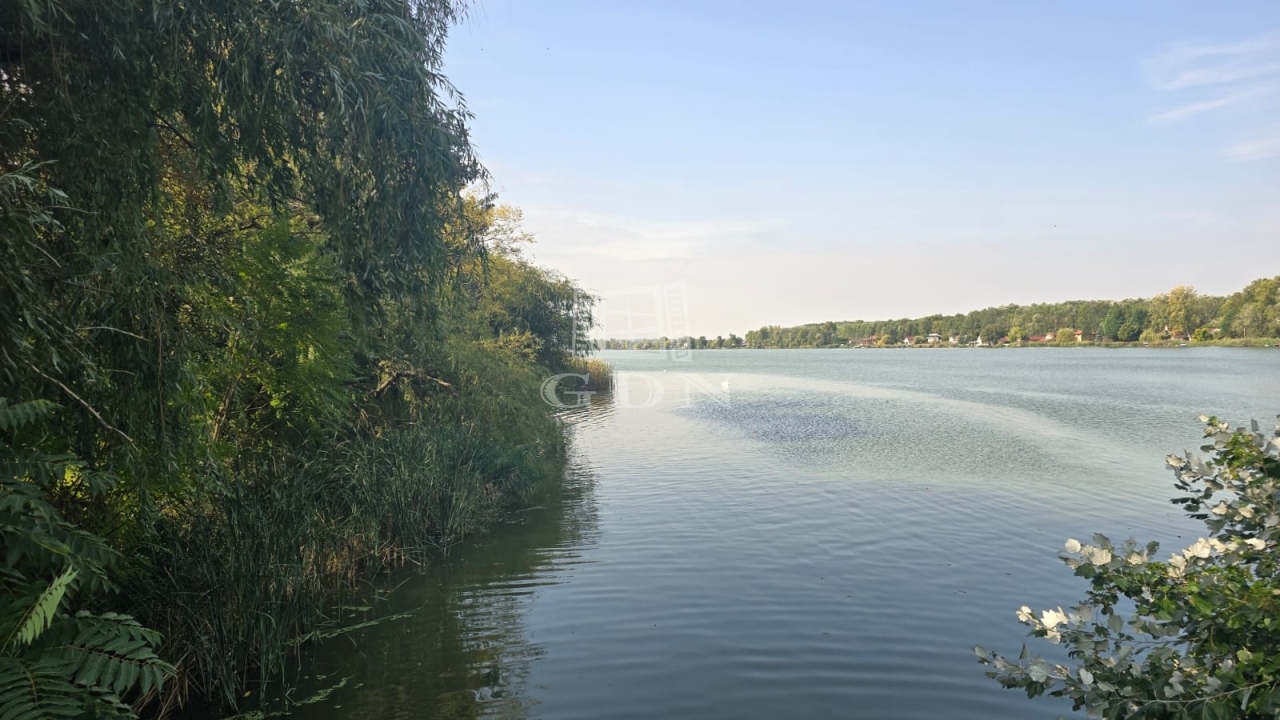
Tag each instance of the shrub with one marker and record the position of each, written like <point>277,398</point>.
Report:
<point>1194,636</point>
<point>57,662</point>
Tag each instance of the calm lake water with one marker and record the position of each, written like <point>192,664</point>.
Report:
<point>826,539</point>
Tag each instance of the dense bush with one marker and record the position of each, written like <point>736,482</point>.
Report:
<point>57,657</point>
<point>237,249</point>
<point>1193,636</point>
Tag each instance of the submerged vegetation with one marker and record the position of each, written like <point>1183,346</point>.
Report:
<point>258,339</point>
<point>1193,636</point>
<point>1251,316</point>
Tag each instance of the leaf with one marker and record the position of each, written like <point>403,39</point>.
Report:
<point>39,614</point>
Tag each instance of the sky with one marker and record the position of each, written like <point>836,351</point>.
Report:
<point>776,164</point>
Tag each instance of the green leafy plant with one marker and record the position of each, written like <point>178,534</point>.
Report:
<point>1194,636</point>
<point>53,662</point>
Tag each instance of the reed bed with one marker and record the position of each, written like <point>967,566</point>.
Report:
<point>235,578</point>
<point>599,372</point>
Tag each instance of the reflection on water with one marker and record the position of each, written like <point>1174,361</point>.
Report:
<point>453,641</point>
<point>827,539</point>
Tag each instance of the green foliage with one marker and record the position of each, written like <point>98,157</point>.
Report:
<point>1195,636</point>
<point>1129,331</point>
<point>54,663</point>
<point>289,349</point>
<point>1252,313</point>
<point>1065,336</point>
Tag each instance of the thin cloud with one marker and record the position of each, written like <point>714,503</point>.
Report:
<point>621,238</point>
<point>1183,67</point>
<point>1265,147</point>
<point>1206,79</point>
<point>1195,108</point>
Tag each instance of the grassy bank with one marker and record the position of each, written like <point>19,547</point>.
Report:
<point>234,576</point>
<point>265,335</point>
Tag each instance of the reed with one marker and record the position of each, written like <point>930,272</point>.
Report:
<point>599,372</point>
<point>234,578</point>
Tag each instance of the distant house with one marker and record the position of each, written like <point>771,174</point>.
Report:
<point>909,340</point>
<point>1079,336</point>
<point>934,338</point>
<point>953,340</point>
<point>1048,337</point>
<point>1040,338</point>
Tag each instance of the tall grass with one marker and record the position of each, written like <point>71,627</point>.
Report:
<point>233,578</point>
<point>599,372</point>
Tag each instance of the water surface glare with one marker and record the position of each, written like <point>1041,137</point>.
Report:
<point>825,539</point>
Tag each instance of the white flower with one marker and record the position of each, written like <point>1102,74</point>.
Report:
<point>1200,549</point>
<point>1097,555</point>
<point>1053,618</point>
<point>1025,614</point>
<point>1072,545</point>
<point>1245,511</point>
<point>1256,543</point>
<point>1086,677</point>
<point>1220,508</point>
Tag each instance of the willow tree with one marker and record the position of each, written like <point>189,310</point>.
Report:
<point>333,112</point>
<point>196,198</point>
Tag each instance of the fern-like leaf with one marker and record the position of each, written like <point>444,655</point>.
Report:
<point>17,415</point>
<point>30,690</point>
<point>37,615</point>
<point>111,652</point>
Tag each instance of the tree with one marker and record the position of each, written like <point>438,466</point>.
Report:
<point>1180,306</point>
<point>1065,336</point>
<point>1112,323</point>
<point>1015,334</point>
<point>1194,636</point>
<point>235,246</point>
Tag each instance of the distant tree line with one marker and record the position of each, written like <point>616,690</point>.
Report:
<point>664,343</point>
<point>1254,312</point>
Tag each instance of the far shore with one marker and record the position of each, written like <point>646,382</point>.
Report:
<point>1171,344</point>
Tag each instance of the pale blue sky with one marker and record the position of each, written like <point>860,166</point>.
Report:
<point>842,160</point>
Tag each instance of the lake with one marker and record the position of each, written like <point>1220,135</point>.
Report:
<point>826,538</point>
